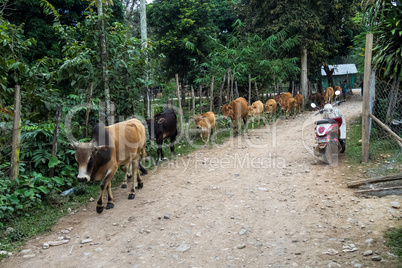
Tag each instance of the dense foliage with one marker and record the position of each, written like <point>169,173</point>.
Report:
<point>59,79</point>
<point>51,49</point>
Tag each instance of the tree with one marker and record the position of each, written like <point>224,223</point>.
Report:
<point>29,13</point>
<point>321,24</point>
<point>182,30</point>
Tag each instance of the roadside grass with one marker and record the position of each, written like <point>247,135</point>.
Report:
<point>394,241</point>
<point>38,221</point>
<point>381,150</point>
<point>353,146</point>
<point>378,148</point>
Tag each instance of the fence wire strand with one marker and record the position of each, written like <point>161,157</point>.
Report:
<point>385,151</point>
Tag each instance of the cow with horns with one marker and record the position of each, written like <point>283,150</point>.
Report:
<point>120,144</point>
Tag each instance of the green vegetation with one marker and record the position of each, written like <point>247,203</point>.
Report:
<point>394,237</point>
<point>30,208</point>
<point>353,142</point>
<point>51,50</point>
<point>382,148</point>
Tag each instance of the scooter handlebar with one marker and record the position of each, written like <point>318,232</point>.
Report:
<point>320,112</point>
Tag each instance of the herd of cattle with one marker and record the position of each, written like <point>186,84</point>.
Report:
<point>123,144</point>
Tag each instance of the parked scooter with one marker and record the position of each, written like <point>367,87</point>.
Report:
<point>330,132</point>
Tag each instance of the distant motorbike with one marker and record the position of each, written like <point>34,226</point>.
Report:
<point>330,132</point>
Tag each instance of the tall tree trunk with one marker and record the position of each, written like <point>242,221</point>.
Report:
<point>228,88</point>
<point>220,95</point>
<point>256,90</point>
<point>231,87</point>
<point>144,40</point>
<point>319,88</point>
<point>303,78</point>
<point>180,108</point>
<point>104,59</point>
<point>329,73</point>
<point>211,97</point>
<point>183,96</point>
<point>15,145</point>
<point>88,109</point>
<point>55,138</point>
<point>200,93</point>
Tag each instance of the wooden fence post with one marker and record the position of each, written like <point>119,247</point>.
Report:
<point>15,151</point>
<point>211,97</point>
<point>178,98</point>
<point>55,137</point>
<point>366,98</point>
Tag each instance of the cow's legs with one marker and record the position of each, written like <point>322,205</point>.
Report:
<point>126,169</point>
<point>245,120</point>
<point>137,177</point>
<point>104,185</point>
<point>206,137</point>
<point>235,129</point>
<point>159,152</point>
<point>110,198</point>
<point>172,141</point>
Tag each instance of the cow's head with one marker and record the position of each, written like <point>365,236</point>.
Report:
<point>155,127</point>
<point>227,111</point>
<point>268,108</point>
<point>251,110</point>
<point>86,154</point>
<point>200,121</point>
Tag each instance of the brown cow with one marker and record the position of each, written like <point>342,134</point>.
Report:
<point>340,90</point>
<point>329,94</point>
<point>205,122</point>
<point>255,110</point>
<point>270,108</point>
<point>282,100</point>
<point>299,101</point>
<point>318,99</point>
<point>120,144</point>
<point>290,104</point>
<point>236,110</point>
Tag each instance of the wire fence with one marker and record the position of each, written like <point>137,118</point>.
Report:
<point>385,148</point>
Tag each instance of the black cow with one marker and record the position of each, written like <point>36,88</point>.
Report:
<point>162,127</point>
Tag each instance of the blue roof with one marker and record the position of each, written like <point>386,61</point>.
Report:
<point>341,69</point>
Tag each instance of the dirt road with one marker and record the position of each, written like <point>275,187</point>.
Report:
<point>259,200</point>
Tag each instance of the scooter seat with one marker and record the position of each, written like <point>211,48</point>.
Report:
<point>325,121</point>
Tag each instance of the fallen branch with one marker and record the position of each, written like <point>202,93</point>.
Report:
<point>392,177</point>
<point>379,189</point>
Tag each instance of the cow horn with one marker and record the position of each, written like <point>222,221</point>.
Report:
<point>74,144</point>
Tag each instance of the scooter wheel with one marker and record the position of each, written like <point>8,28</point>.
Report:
<point>343,144</point>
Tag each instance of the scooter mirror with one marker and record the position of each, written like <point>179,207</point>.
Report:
<point>337,93</point>
<point>313,105</point>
